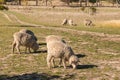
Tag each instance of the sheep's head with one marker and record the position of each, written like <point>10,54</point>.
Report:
<point>69,50</point>
<point>73,60</point>
<point>35,47</point>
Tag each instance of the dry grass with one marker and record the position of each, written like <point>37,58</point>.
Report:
<point>111,23</point>
<point>99,56</point>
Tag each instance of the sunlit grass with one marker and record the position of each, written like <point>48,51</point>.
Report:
<point>93,47</point>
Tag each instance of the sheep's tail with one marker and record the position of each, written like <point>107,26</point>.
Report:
<point>13,46</point>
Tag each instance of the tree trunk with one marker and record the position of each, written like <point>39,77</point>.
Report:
<point>37,2</point>
<point>19,2</point>
<point>68,2</point>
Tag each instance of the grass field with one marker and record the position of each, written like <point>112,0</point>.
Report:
<point>98,47</point>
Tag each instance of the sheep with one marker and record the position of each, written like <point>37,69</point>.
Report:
<point>24,39</point>
<point>58,49</point>
<point>71,23</point>
<point>88,22</point>
<point>29,32</point>
<point>65,21</point>
<point>51,38</point>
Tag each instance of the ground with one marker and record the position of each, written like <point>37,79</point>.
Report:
<point>98,47</point>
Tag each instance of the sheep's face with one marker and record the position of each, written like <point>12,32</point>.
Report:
<point>35,47</point>
<point>74,61</point>
<point>74,64</point>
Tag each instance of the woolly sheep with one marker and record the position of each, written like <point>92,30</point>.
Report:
<point>24,39</point>
<point>51,38</point>
<point>88,22</point>
<point>71,23</point>
<point>65,21</point>
<point>29,32</point>
<point>58,49</point>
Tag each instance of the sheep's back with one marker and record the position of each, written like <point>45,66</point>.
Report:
<point>23,38</point>
<point>56,48</point>
<point>29,32</point>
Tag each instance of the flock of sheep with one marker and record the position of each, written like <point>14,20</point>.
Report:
<point>56,48</point>
<point>87,22</point>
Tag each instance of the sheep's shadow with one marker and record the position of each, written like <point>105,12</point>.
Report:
<point>41,44</point>
<point>80,55</point>
<point>38,52</point>
<point>86,66</point>
<point>41,51</point>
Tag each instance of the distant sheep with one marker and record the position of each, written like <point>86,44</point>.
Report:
<point>58,49</point>
<point>88,22</point>
<point>71,23</point>
<point>65,21</point>
<point>29,32</point>
<point>24,39</point>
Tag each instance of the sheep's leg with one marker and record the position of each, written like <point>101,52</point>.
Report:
<point>64,63</point>
<point>13,46</point>
<point>29,49</point>
<point>74,66</point>
<point>25,49</point>
<point>18,48</point>
<point>60,62</point>
<point>53,62</point>
<point>49,58</point>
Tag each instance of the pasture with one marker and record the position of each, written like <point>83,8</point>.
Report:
<point>97,47</point>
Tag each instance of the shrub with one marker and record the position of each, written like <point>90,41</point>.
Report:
<point>2,7</point>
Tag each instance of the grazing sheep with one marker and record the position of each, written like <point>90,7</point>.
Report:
<point>58,49</point>
<point>24,39</point>
<point>71,23</point>
<point>65,21</point>
<point>88,22</point>
<point>29,32</point>
<point>53,6</point>
<point>51,38</point>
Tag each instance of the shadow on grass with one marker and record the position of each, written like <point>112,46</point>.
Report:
<point>18,25</point>
<point>80,55</point>
<point>41,51</point>
<point>37,52</point>
<point>30,76</point>
<point>86,66</point>
<point>42,44</point>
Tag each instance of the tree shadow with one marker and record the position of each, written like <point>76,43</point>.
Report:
<point>86,66</point>
<point>30,76</point>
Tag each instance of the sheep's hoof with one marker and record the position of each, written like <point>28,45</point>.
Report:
<point>49,68</point>
<point>59,66</point>
<point>65,67</point>
<point>19,52</point>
